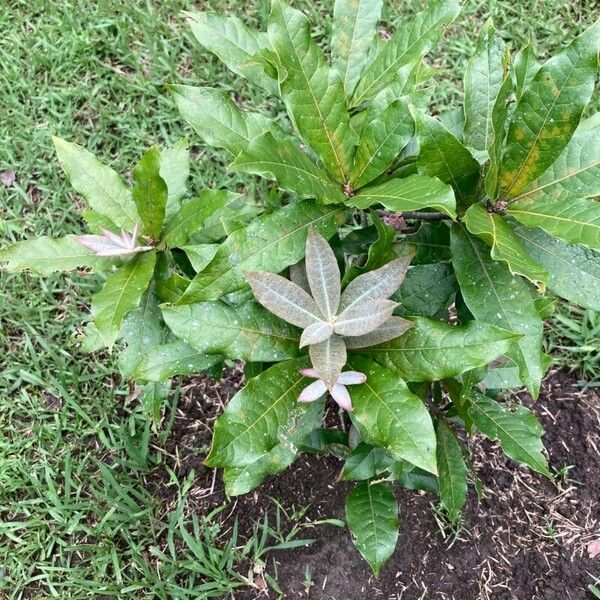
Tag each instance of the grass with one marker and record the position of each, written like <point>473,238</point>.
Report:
<point>78,514</point>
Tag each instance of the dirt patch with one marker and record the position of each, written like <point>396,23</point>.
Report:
<point>525,540</point>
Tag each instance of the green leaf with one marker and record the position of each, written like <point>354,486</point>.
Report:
<point>121,294</point>
<point>388,128</point>
<point>372,516</point>
<point>574,220</point>
<point>153,397</point>
<point>549,112</point>
<point>495,296</point>
<point>217,119</point>
<point>576,172</point>
<point>246,332</point>
<point>430,243</point>
<point>526,66</point>
<point>175,171</point>
<point>380,252</point>
<point>142,329</point>
<point>313,92</point>
<point>284,162</point>
<point>270,243</point>
<point>574,270</point>
<point>103,189</point>
<point>443,156</point>
<point>260,416</point>
<point>517,430</point>
<point>235,44</point>
<point>505,246</point>
<point>174,358</point>
<point>193,214</point>
<point>388,415</point>
<point>452,471</point>
<point>365,462</point>
<point>410,193</point>
<point>407,46</point>
<point>354,30</point>
<point>45,255</point>
<point>484,76</point>
<point>427,291</point>
<point>200,255</point>
<point>433,350</point>
<point>150,193</point>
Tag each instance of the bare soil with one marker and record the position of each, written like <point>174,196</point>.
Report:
<point>525,540</point>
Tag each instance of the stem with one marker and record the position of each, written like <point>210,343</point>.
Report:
<point>424,216</point>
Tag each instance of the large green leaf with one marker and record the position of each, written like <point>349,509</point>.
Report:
<point>142,329</point>
<point>410,193</point>
<point>271,243</point>
<point>444,156</point>
<point>505,245</point>
<point>426,291</point>
<point>372,516</point>
<point>175,170</point>
<point>388,415</point>
<point>150,193</point>
<point>260,416</point>
<point>365,462</point>
<point>407,46</point>
<point>234,43</point>
<point>354,31</point>
<point>452,471</point>
<point>433,350</point>
<point>174,358</point>
<point>247,332</point>
<point>497,297</point>
<point>284,161</point>
<point>518,430</point>
<point>388,127</point>
<point>313,92</point>
<point>430,243</point>
<point>574,270</point>
<point>102,187</point>
<point>484,76</point>
<point>525,68</point>
<point>45,255</point>
<point>217,119</point>
<point>121,294</point>
<point>574,220</point>
<point>548,113</point>
<point>576,172</point>
<point>192,215</point>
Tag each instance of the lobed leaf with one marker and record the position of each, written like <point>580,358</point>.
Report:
<point>505,246</point>
<point>410,193</point>
<point>247,332</point>
<point>271,243</point>
<point>495,296</point>
<point>548,113</point>
<point>432,350</point>
<point>372,516</point>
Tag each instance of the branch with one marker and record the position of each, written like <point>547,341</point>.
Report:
<point>425,216</point>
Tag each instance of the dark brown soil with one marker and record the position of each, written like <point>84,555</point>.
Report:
<point>525,540</point>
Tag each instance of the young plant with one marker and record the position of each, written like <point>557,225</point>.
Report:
<point>493,203</point>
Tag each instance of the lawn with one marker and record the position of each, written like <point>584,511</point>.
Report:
<point>93,502</point>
